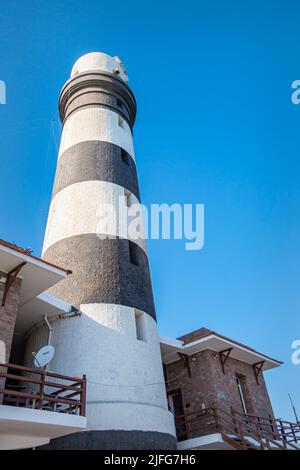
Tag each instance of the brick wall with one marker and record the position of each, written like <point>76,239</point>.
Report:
<point>208,386</point>
<point>8,315</point>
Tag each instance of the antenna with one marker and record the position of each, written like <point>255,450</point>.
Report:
<point>43,356</point>
<point>294,409</point>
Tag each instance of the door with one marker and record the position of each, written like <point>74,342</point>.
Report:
<point>176,407</point>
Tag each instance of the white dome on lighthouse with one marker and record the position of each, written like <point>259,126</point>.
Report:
<point>99,62</point>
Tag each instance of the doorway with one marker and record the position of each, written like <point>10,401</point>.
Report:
<point>176,407</point>
<point>240,382</point>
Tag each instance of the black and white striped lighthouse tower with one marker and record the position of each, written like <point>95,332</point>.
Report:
<point>115,340</point>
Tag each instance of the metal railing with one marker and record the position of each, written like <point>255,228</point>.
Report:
<point>39,389</point>
<point>240,430</point>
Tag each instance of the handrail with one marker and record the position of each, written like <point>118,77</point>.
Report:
<point>267,419</point>
<point>265,432</point>
<point>56,395</point>
<point>273,424</point>
<point>38,371</point>
<point>279,427</point>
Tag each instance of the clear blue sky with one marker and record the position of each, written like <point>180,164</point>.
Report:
<point>215,126</point>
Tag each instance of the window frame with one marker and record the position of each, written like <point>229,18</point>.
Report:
<point>133,253</point>
<point>125,156</point>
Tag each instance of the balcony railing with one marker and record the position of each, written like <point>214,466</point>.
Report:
<point>240,430</point>
<point>39,389</point>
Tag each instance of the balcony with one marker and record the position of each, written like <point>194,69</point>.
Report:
<point>38,405</point>
<point>214,428</point>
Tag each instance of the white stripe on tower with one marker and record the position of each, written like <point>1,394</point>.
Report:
<point>87,207</point>
<point>96,124</point>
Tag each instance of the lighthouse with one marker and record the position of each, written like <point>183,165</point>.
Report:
<point>114,338</point>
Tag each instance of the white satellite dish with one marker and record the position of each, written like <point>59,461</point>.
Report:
<point>43,356</point>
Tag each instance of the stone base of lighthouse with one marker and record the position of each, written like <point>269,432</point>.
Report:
<point>114,440</point>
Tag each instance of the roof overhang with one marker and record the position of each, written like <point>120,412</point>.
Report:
<point>35,311</point>
<point>170,349</point>
<point>37,275</point>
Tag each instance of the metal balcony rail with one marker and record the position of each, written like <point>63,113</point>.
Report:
<point>244,432</point>
<point>39,389</point>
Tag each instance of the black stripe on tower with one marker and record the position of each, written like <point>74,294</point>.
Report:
<point>100,100</point>
<point>116,440</point>
<point>97,89</point>
<point>96,161</point>
<point>113,271</point>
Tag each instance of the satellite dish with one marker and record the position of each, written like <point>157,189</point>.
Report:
<point>43,356</point>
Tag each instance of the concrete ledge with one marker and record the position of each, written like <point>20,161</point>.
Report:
<point>22,428</point>
<point>209,442</point>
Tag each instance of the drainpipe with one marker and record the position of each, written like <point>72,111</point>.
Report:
<point>50,328</point>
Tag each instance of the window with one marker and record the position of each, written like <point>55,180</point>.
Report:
<point>140,326</point>
<point>240,381</point>
<point>125,156</point>
<point>175,402</point>
<point>127,195</point>
<point>121,122</point>
<point>176,406</point>
<point>133,253</point>
<point>119,103</point>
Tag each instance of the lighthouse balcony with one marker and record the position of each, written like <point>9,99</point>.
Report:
<point>37,405</point>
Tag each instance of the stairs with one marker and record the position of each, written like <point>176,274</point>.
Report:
<point>251,440</point>
<point>240,431</point>
<point>240,444</point>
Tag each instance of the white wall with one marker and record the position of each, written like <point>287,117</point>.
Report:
<point>125,380</point>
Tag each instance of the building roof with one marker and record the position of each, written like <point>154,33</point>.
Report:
<point>37,275</point>
<point>203,339</point>
<point>27,252</point>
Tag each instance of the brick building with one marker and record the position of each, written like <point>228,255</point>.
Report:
<point>25,417</point>
<point>8,314</point>
<point>217,392</point>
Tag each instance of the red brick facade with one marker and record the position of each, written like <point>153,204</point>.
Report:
<point>8,315</point>
<point>209,386</point>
